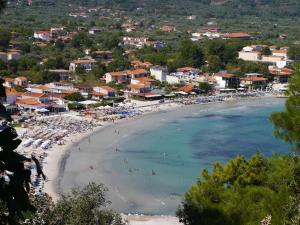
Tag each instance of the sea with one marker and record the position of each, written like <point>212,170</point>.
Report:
<point>147,164</point>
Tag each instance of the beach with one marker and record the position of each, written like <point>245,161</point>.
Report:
<point>54,163</point>
<point>113,158</point>
<point>62,159</point>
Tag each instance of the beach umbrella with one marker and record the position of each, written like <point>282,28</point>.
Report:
<point>42,110</point>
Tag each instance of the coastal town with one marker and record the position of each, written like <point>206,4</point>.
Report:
<point>66,81</point>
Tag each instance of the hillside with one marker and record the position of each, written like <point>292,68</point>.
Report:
<point>270,18</point>
<point>218,8</point>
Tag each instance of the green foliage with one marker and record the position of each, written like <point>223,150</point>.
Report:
<point>287,123</point>
<point>81,40</point>
<point>242,192</point>
<point>205,87</point>
<point>214,64</point>
<point>252,67</point>
<point>227,51</point>
<point>28,62</point>
<point>75,106</point>
<point>294,53</point>
<point>190,54</point>
<point>5,37</point>
<point>76,96</point>
<point>85,206</point>
<point>109,40</point>
<point>266,51</point>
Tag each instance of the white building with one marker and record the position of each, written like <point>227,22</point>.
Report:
<point>125,76</point>
<point>138,42</point>
<point>42,35</point>
<point>250,55</point>
<point>86,64</point>
<point>172,79</point>
<point>10,55</point>
<point>160,73</point>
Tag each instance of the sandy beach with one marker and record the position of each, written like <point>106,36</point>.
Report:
<point>55,162</point>
<point>152,220</point>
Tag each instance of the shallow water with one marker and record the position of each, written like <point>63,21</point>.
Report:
<point>149,163</point>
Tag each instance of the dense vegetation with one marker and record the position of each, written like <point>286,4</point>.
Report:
<point>243,192</point>
<point>86,206</point>
<point>268,19</point>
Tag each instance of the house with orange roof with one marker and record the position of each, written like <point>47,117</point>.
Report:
<point>186,88</point>
<point>40,97</point>
<point>125,76</point>
<point>281,53</point>
<point>139,64</point>
<point>238,35</point>
<point>87,64</point>
<point>279,57</point>
<point>21,81</point>
<point>11,96</point>
<point>104,91</point>
<point>102,54</point>
<point>143,80</point>
<point>138,88</point>
<point>254,81</point>
<point>9,82</point>
<point>280,75</point>
<point>168,28</point>
<point>226,81</point>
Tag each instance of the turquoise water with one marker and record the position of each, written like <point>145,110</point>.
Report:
<point>164,156</point>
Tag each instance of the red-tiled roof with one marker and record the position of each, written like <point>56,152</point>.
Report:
<point>78,61</point>
<point>186,88</point>
<point>27,101</point>
<point>11,92</point>
<point>21,78</point>
<point>254,78</point>
<point>185,69</point>
<point>137,71</point>
<point>107,88</point>
<point>144,79</point>
<point>237,35</point>
<point>117,74</point>
<point>136,86</point>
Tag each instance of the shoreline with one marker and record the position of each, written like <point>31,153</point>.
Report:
<point>56,161</point>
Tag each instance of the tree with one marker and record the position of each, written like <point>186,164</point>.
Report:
<point>266,51</point>
<point>2,4</point>
<point>28,62</point>
<point>214,64</point>
<point>190,54</point>
<point>287,123</point>
<point>76,96</point>
<point>294,53</point>
<point>85,206</point>
<point>205,87</point>
<point>4,37</point>
<point>242,192</point>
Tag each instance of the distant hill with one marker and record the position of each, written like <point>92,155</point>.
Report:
<point>224,8</point>
<point>218,8</point>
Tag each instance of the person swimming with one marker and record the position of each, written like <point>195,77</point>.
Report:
<point>153,173</point>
